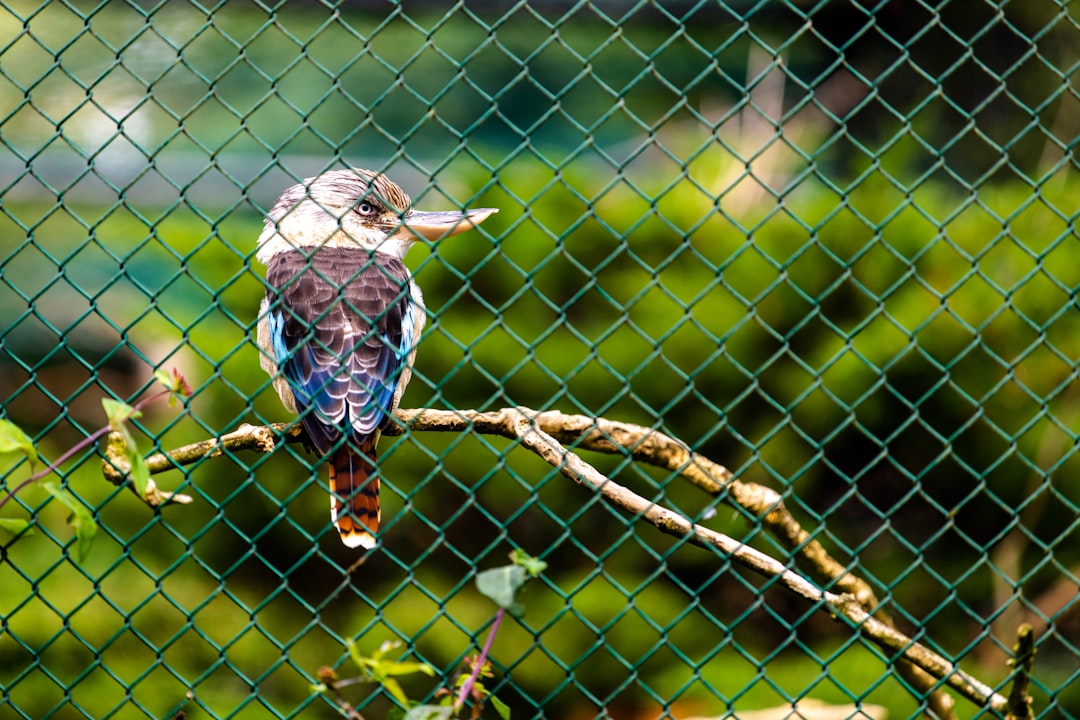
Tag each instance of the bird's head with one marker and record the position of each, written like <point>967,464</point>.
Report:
<point>355,208</point>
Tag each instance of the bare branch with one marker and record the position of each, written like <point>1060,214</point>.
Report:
<point>541,432</point>
<point>245,437</point>
<point>1019,700</point>
<point>116,466</point>
<point>843,605</point>
<point>655,448</point>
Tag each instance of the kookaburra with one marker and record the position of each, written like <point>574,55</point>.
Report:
<point>339,325</point>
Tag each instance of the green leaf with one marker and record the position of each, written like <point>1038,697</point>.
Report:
<point>140,471</point>
<point>394,668</point>
<point>166,378</point>
<point>391,685</point>
<point>13,439</point>
<point>500,707</point>
<point>15,526</point>
<point>383,671</point>
<point>429,712</point>
<point>387,646</point>
<point>354,653</point>
<point>85,531</point>
<point>174,382</point>
<point>501,585</point>
<point>118,412</point>
<point>533,566</point>
<point>80,519</point>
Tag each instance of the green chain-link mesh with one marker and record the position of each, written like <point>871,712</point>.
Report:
<point>830,245</point>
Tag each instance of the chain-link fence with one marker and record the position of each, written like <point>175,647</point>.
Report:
<point>828,245</point>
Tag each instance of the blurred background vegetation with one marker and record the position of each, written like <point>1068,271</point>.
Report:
<point>830,246</point>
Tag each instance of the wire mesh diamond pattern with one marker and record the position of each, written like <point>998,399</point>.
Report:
<point>830,246</point>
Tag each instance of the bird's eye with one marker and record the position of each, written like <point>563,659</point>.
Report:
<point>365,208</point>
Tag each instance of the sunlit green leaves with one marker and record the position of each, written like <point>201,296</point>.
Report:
<point>119,413</point>
<point>502,584</point>
<point>381,669</point>
<point>81,520</point>
<point>15,526</point>
<point>174,382</point>
<point>13,439</point>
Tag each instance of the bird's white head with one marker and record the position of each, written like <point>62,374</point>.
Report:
<point>355,208</point>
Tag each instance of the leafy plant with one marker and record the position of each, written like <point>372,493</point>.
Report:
<point>14,440</point>
<point>501,585</point>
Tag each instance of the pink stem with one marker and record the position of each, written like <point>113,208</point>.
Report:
<point>467,686</point>
<point>71,451</point>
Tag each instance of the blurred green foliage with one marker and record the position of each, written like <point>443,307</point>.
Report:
<point>862,311</point>
<point>875,369</point>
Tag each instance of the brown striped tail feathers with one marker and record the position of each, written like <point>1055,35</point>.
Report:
<point>354,496</point>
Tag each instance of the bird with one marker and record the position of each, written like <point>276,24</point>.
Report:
<point>340,321</point>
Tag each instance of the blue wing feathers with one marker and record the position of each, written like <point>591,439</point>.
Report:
<point>277,338</point>
<point>341,325</point>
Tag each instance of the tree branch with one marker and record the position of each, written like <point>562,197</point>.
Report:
<point>655,448</point>
<point>544,434</point>
<point>1024,658</point>
<point>115,466</point>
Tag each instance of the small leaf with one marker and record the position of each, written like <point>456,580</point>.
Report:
<point>429,712</point>
<point>393,668</point>
<point>500,707</point>
<point>15,526</point>
<point>533,566</point>
<point>13,439</point>
<point>354,653</point>
<point>140,471</point>
<point>383,671</point>
<point>386,647</point>
<point>118,412</point>
<point>391,685</point>
<point>85,530</point>
<point>80,519</point>
<point>174,382</point>
<point>501,585</point>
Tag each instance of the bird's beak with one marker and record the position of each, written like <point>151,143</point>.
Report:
<point>437,225</point>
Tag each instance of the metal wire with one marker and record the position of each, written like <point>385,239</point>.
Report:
<point>830,246</point>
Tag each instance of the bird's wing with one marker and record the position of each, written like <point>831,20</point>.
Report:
<point>341,328</point>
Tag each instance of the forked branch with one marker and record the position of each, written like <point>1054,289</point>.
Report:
<point>548,433</point>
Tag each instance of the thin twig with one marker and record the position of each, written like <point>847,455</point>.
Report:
<point>329,678</point>
<point>246,437</point>
<point>115,465</point>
